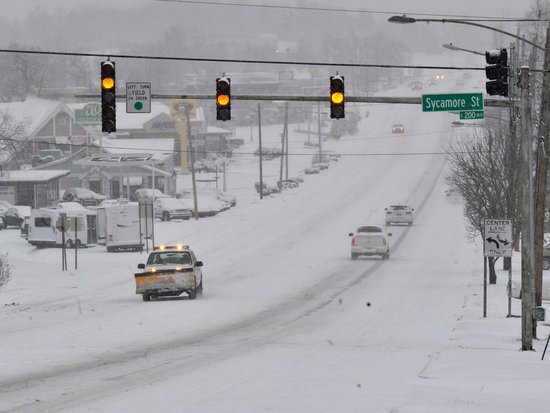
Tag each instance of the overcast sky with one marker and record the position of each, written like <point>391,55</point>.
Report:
<point>497,8</point>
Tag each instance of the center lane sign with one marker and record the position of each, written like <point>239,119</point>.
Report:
<point>452,102</point>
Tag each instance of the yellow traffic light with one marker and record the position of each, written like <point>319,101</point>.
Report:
<point>108,83</point>
<point>223,100</point>
<point>337,98</point>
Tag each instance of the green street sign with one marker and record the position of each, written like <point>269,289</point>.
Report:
<point>452,102</point>
<point>471,114</point>
<point>90,113</point>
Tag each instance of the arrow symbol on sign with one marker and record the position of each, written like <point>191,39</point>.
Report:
<point>493,240</point>
<point>504,241</point>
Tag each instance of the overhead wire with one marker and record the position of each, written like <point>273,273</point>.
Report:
<point>344,10</point>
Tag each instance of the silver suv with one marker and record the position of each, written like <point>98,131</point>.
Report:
<point>399,214</point>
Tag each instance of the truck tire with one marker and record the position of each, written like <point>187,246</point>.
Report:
<point>166,216</point>
<point>69,243</point>
<point>354,256</point>
<point>546,263</point>
<point>192,293</point>
<point>199,288</point>
<point>146,297</point>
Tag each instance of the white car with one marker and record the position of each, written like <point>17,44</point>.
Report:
<point>398,128</point>
<point>399,214</point>
<point>169,271</point>
<point>171,208</point>
<point>207,205</point>
<point>370,240</point>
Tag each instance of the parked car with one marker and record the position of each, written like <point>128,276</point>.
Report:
<point>207,206</point>
<point>417,85</point>
<point>287,184</point>
<point>311,170</point>
<point>85,197</point>
<point>12,218</point>
<point>218,194</point>
<point>399,214</point>
<point>546,257</point>
<point>370,240</point>
<point>143,193</point>
<point>266,189</point>
<point>171,208</point>
<point>398,128</point>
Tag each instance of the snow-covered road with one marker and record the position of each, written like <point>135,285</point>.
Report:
<point>287,321</point>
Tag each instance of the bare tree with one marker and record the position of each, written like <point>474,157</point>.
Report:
<point>5,270</point>
<point>484,169</point>
<point>13,144</point>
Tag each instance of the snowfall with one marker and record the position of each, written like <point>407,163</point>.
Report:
<point>287,322</point>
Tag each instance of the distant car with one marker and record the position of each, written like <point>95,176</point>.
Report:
<point>398,128</point>
<point>143,193</point>
<point>311,170</point>
<point>370,240</point>
<point>432,81</point>
<point>266,189</point>
<point>83,196</point>
<point>399,214</point>
<point>287,184</point>
<point>416,85</point>
<point>546,257</point>
<point>12,218</point>
<point>170,208</point>
<point>207,205</point>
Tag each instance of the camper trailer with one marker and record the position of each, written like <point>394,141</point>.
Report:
<point>118,226</point>
<point>46,228</point>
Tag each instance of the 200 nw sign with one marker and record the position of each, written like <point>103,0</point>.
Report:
<point>448,102</point>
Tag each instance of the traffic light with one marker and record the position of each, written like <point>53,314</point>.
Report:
<point>108,97</point>
<point>223,98</point>
<point>497,72</point>
<point>337,97</point>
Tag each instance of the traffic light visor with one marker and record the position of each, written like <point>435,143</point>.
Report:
<point>223,100</point>
<point>337,98</point>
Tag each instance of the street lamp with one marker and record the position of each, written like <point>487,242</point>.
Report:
<point>407,20</point>
<point>451,46</point>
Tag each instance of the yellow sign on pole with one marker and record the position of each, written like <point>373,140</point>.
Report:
<point>178,110</point>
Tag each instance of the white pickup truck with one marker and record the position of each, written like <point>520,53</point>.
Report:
<point>370,240</point>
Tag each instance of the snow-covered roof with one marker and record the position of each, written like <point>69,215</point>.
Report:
<point>31,175</point>
<point>160,148</point>
<point>35,112</point>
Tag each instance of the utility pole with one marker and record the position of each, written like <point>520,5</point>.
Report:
<point>192,161</point>
<point>260,152</point>
<point>526,246</point>
<point>319,128</point>
<point>542,170</point>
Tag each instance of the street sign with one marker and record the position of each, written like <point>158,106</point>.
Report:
<point>471,114</point>
<point>497,237</point>
<point>450,102</point>
<point>138,97</point>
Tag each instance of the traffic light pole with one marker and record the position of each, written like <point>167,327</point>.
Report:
<point>295,98</point>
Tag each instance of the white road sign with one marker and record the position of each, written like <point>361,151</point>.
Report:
<point>138,97</point>
<point>497,238</point>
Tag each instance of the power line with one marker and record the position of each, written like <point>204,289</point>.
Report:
<point>183,151</point>
<point>246,61</point>
<point>340,10</point>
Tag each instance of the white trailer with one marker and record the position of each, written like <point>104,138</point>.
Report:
<point>118,227</point>
<point>45,228</point>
